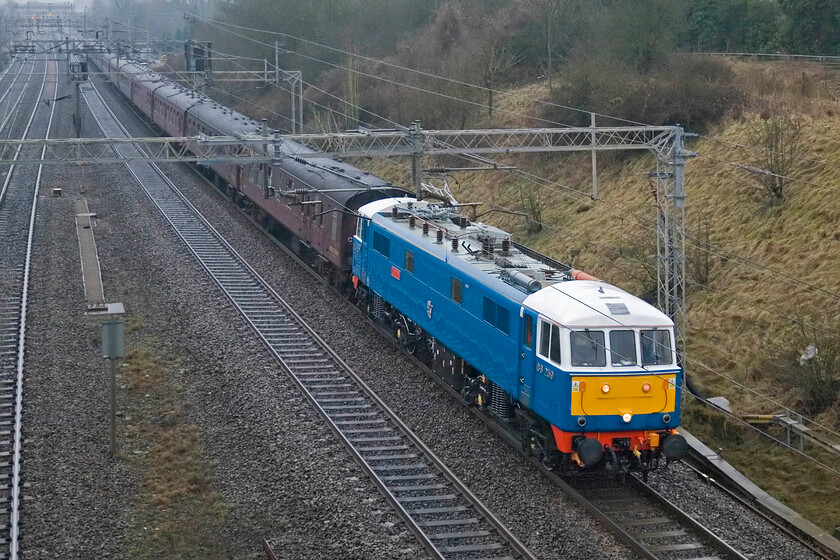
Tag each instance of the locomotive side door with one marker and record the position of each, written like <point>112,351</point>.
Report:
<point>527,337</point>
<point>360,249</point>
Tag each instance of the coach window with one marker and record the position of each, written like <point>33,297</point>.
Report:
<point>409,261</point>
<point>334,231</point>
<point>588,348</point>
<point>550,342</point>
<point>456,290</point>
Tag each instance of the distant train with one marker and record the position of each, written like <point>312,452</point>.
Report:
<point>584,373</point>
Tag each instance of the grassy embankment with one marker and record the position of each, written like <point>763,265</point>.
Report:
<point>739,316</point>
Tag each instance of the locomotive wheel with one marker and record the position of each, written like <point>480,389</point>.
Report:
<point>409,344</point>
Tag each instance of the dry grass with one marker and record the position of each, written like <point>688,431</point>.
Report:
<point>770,266</point>
<point>178,512</point>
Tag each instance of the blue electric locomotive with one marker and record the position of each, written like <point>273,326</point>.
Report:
<point>586,372</point>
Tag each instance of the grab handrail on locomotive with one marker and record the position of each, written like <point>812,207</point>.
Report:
<point>585,373</point>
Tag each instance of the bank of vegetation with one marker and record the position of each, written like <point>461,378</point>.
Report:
<point>762,207</point>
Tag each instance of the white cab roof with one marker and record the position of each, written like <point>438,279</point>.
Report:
<point>590,304</point>
<point>371,209</point>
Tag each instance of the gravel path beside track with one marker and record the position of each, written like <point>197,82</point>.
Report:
<point>272,458</point>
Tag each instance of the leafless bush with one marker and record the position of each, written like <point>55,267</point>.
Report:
<point>778,137</point>
<point>691,91</point>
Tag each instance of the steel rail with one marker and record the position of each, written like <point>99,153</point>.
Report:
<point>18,322</point>
<point>452,524</point>
<point>635,544</point>
<point>694,462</point>
<point>613,526</point>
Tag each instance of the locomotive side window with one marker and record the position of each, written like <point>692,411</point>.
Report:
<point>490,311</point>
<point>529,331</point>
<point>550,342</point>
<point>381,243</point>
<point>497,315</point>
<point>622,348</point>
<point>503,319</point>
<point>409,261</point>
<point>656,348</point>
<point>456,290</point>
<point>588,348</point>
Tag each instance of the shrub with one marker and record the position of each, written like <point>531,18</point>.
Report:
<point>690,90</point>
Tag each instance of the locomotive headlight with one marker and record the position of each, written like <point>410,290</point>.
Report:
<point>605,388</point>
<point>627,417</point>
<point>646,387</point>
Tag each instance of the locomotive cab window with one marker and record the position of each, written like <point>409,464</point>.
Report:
<point>550,342</point>
<point>361,227</point>
<point>456,290</point>
<point>656,348</point>
<point>622,348</point>
<point>588,348</point>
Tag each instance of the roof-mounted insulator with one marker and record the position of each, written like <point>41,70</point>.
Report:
<point>439,235</point>
<point>454,245</point>
<point>463,222</point>
<point>412,221</point>
<point>395,212</point>
<point>426,229</point>
<point>506,246</point>
<point>487,245</point>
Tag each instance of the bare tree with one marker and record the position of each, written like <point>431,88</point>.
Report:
<point>778,136</point>
<point>555,19</point>
<point>490,53</point>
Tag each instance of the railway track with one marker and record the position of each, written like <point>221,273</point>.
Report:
<point>696,542</point>
<point>654,528</point>
<point>641,518</point>
<point>447,519</point>
<point>18,206</point>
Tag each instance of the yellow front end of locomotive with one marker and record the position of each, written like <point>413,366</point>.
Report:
<point>620,395</point>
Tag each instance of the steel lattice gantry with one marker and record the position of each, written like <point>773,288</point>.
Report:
<point>666,143</point>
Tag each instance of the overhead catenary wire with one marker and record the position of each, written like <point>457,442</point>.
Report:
<point>799,281</point>
<point>414,71</point>
<point>736,259</point>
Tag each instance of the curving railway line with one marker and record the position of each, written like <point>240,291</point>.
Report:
<point>640,517</point>
<point>447,519</point>
<point>18,206</point>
